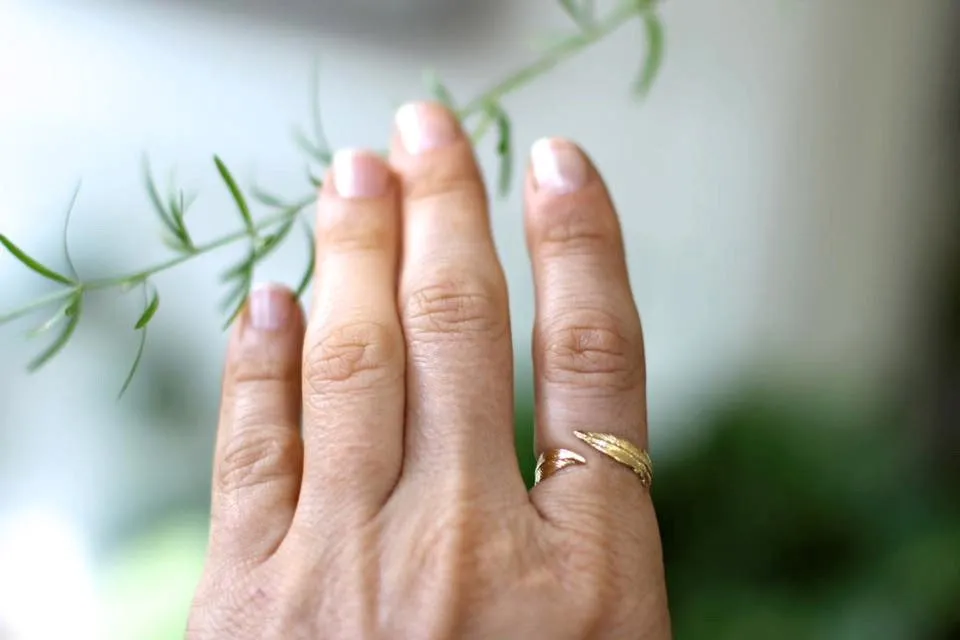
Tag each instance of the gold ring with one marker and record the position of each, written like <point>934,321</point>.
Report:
<point>620,450</point>
<point>554,460</point>
<point>623,451</point>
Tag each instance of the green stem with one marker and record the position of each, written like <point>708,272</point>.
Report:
<point>589,35</point>
<point>39,303</point>
<point>140,276</point>
<point>560,52</point>
<point>567,49</point>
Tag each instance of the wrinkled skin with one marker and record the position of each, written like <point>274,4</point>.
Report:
<point>365,481</point>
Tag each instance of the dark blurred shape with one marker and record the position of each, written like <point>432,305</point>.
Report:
<point>939,407</point>
<point>387,21</point>
<point>792,521</point>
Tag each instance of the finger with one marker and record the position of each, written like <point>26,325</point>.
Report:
<point>259,453</point>
<point>588,344</point>
<point>353,387</point>
<point>453,301</point>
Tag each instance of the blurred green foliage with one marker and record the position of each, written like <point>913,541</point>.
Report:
<point>787,519</point>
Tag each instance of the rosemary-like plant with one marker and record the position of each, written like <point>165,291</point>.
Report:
<point>266,233</point>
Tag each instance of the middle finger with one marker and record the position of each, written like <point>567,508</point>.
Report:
<point>454,311</point>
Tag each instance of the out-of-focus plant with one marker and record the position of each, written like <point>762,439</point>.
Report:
<point>790,519</point>
<point>263,235</point>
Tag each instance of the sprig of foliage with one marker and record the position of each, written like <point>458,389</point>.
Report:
<point>265,234</point>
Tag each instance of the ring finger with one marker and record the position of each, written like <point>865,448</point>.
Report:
<point>588,342</point>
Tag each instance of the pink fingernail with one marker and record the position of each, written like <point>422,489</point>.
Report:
<point>270,307</point>
<point>425,126</point>
<point>558,166</point>
<point>359,174</point>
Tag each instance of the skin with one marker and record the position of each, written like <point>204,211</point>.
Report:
<point>365,479</point>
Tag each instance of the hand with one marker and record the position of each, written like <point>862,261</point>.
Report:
<point>398,509</point>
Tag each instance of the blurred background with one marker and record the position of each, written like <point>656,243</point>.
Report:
<point>788,192</point>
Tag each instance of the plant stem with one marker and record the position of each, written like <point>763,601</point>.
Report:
<point>589,34</point>
<point>139,276</point>
<point>566,49</point>
<point>39,303</point>
<point>625,12</point>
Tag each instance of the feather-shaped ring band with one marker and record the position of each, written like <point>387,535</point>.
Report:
<point>616,448</point>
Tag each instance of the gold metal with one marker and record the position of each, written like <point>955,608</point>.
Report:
<point>623,451</point>
<point>553,461</point>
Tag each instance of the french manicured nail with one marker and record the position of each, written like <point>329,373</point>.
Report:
<point>271,307</point>
<point>359,174</point>
<point>425,126</point>
<point>558,166</point>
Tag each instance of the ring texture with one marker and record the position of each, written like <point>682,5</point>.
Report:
<point>614,447</point>
<point>554,460</point>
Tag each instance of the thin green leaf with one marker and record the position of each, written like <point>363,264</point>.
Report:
<point>141,326</point>
<point>66,227</point>
<point>314,180</point>
<point>174,243</point>
<point>261,249</point>
<point>136,363</point>
<point>39,303</point>
<point>504,150</point>
<point>570,6</point>
<point>149,311</point>
<point>580,11</point>
<point>549,42</point>
<point>241,302</point>
<point>268,199</point>
<point>129,285</point>
<point>439,90</point>
<point>284,230</point>
<point>154,194</point>
<point>239,270</point>
<point>178,211</point>
<point>653,27</point>
<point>54,320</point>
<point>316,153</point>
<point>307,277</point>
<point>243,274</point>
<point>274,239</point>
<point>237,195</point>
<point>32,264</point>
<point>73,313</point>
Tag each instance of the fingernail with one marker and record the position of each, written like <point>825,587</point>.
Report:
<point>558,166</point>
<point>425,126</point>
<point>270,307</point>
<point>359,174</point>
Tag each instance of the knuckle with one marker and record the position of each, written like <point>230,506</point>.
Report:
<point>455,305</point>
<point>256,457</point>
<point>454,183</point>
<point>251,372</point>
<point>591,349</point>
<point>357,231</point>
<point>578,231</point>
<point>361,353</point>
